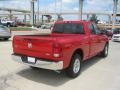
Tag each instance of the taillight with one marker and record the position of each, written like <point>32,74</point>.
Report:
<point>57,51</point>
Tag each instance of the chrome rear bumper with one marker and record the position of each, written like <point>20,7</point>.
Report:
<point>41,63</point>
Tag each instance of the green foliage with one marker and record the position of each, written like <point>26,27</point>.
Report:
<point>60,18</point>
<point>20,28</point>
<point>93,18</point>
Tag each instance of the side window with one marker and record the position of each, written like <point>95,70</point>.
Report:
<point>96,29</point>
<point>92,29</point>
<point>79,29</point>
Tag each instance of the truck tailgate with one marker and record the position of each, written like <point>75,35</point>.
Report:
<point>37,46</point>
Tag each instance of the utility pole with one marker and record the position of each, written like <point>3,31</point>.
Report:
<point>80,9</point>
<point>55,9</point>
<point>32,13</point>
<point>10,15</point>
<point>32,21</point>
<point>38,13</point>
<point>114,13</point>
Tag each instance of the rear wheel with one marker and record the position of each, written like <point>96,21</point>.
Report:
<point>75,66</point>
<point>104,53</point>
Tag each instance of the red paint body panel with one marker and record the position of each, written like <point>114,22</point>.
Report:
<point>43,46</point>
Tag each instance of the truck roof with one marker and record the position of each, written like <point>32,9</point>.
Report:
<point>77,21</point>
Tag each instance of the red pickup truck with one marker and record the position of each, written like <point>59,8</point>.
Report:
<point>70,43</point>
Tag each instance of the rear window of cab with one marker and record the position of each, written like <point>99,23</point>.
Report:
<point>69,28</point>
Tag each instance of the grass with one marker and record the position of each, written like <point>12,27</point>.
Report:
<point>20,28</point>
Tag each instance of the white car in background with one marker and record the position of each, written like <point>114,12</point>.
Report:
<point>8,23</point>
<point>116,35</point>
<point>5,32</point>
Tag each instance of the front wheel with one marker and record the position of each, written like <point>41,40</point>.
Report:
<point>75,66</point>
<point>104,53</point>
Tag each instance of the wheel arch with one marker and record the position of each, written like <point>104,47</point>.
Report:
<point>69,70</point>
<point>80,52</point>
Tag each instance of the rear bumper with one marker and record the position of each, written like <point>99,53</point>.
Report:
<point>41,63</point>
<point>5,36</point>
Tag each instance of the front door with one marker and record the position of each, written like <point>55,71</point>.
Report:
<point>94,41</point>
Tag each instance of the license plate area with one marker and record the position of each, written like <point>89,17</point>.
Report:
<point>29,60</point>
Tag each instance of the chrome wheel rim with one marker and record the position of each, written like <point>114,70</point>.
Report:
<point>106,50</point>
<point>76,67</point>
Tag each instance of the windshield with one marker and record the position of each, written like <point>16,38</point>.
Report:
<point>117,31</point>
<point>69,28</point>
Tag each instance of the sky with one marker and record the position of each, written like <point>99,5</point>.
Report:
<point>67,5</point>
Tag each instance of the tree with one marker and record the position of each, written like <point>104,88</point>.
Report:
<point>60,18</point>
<point>114,13</point>
<point>94,18</point>
<point>119,5</point>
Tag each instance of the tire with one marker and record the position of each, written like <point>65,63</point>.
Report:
<point>6,39</point>
<point>8,24</point>
<point>34,68</point>
<point>75,66</point>
<point>104,53</point>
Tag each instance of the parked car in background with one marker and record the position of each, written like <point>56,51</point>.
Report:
<point>116,35</point>
<point>8,23</point>
<point>109,33</point>
<point>46,26</point>
<point>5,32</point>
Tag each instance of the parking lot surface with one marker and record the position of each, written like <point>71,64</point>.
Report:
<point>97,73</point>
